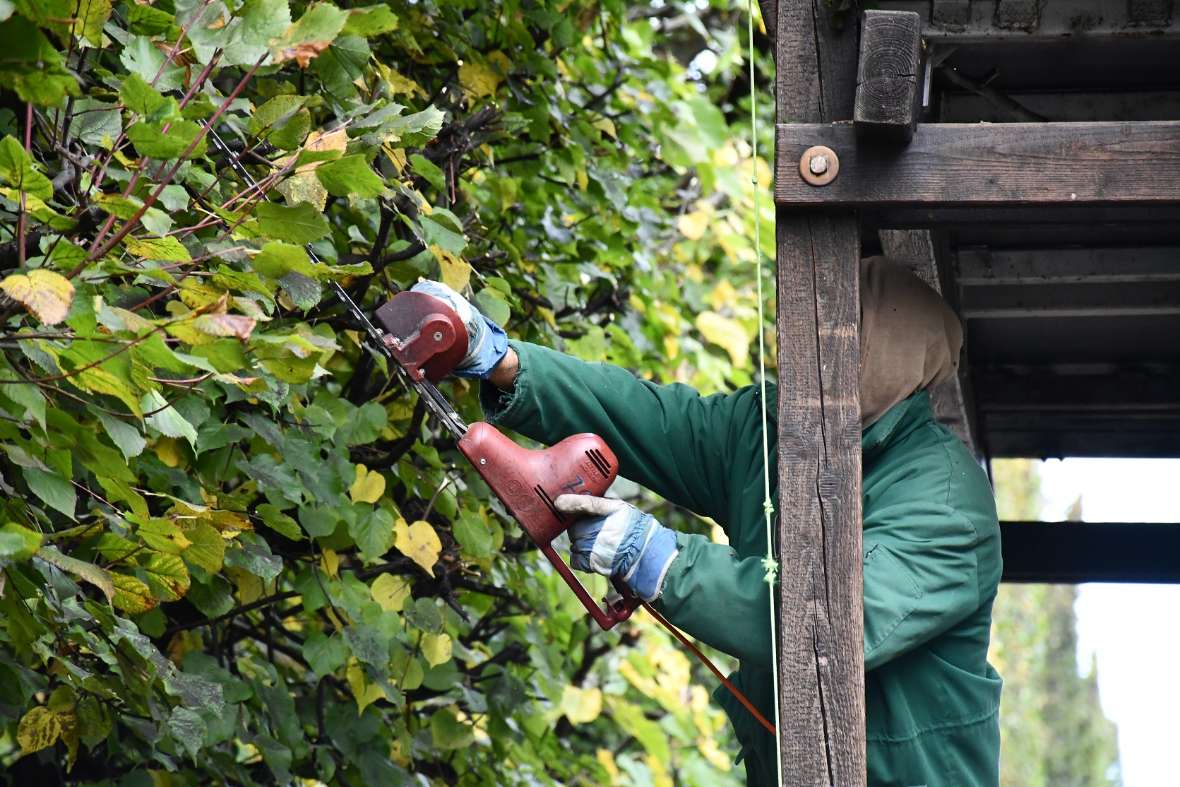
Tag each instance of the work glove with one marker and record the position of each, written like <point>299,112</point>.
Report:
<point>486,342</point>
<point>618,540</point>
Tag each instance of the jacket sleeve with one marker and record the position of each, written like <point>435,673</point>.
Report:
<point>921,576</point>
<point>719,598</point>
<point>668,438</point>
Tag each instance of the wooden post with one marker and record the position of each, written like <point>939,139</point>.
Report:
<point>821,631</point>
<point>889,75</point>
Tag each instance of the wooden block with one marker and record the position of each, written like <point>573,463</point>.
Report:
<point>889,75</point>
<point>949,165</point>
<point>1149,12</point>
<point>1018,14</point>
<point>951,14</point>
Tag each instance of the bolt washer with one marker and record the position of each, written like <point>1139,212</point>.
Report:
<point>828,175</point>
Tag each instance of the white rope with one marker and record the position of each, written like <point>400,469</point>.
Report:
<point>768,563</point>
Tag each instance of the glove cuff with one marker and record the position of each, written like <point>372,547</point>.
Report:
<point>488,348</point>
<point>646,577</point>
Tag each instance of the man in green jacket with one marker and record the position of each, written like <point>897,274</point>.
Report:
<point>931,539</point>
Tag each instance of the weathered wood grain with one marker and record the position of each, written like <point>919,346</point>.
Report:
<point>990,165</point>
<point>889,75</point>
<point>821,650</point>
<point>1018,14</point>
<point>951,14</point>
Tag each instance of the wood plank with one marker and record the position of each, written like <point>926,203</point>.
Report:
<point>1098,388</point>
<point>987,267</point>
<point>916,249</point>
<point>1057,20</point>
<point>1047,435</point>
<point>821,616</point>
<point>1072,552</point>
<point>889,75</point>
<point>1054,300</point>
<point>1005,164</point>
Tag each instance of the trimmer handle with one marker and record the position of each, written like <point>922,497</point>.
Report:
<point>528,482</point>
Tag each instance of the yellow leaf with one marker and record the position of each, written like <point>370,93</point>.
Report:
<point>479,79</point>
<point>456,273</point>
<point>365,693</point>
<point>581,705</point>
<point>418,542</point>
<point>131,595</point>
<point>368,486</point>
<point>304,187</point>
<point>330,562</point>
<point>169,452</point>
<point>693,225</point>
<point>399,84</point>
<point>723,295</point>
<point>607,760</point>
<point>390,592</point>
<point>47,294</point>
<point>606,126</point>
<point>436,648</point>
<point>725,333</point>
<point>39,728</point>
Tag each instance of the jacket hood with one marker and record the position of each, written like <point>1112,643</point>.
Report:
<point>909,337</point>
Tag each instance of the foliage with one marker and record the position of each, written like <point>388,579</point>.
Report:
<point>231,549</point>
<point>1052,727</point>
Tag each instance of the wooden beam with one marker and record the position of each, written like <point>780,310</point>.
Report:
<point>987,21</point>
<point>916,248</point>
<point>821,613</point>
<point>889,75</point>
<point>1054,301</point>
<point>1046,435</point>
<point>1005,164</point>
<point>986,267</point>
<point>1106,389</point>
<point>1072,552</point>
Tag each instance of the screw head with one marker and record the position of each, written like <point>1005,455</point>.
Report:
<point>483,461</point>
<point>818,164</point>
<point>438,336</point>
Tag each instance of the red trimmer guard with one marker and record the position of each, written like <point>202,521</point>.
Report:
<point>529,481</point>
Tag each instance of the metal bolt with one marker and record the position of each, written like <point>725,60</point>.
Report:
<point>483,461</point>
<point>438,336</point>
<point>818,165</point>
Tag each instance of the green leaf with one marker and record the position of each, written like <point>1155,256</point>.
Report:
<point>207,547</point>
<point>277,259</point>
<point>448,732</point>
<point>126,437</point>
<point>279,522</point>
<point>18,170</point>
<point>429,171</point>
<point>165,419</point>
<point>369,21</point>
<point>318,522</point>
<point>132,595</point>
<point>309,36</point>
<point>242,37</point>
<point>57,492</point>
<point>17,543</point>
<point>140,97</point>
<point>166,249</point>
<point>187,729</point>
<point>152,139</point>
<point>324,654</point>
<point>92,15</point>
<point>80,568</point>
<point>472,533</point>
<point>32,66</point>
<point>372,530</point>
<point>299,224</point>
<point>350,176</point>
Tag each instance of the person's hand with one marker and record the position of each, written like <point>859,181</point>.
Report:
<point>486,342</point>
<point>616,539</point>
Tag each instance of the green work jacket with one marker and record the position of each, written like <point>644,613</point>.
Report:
<point>931,555</point>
